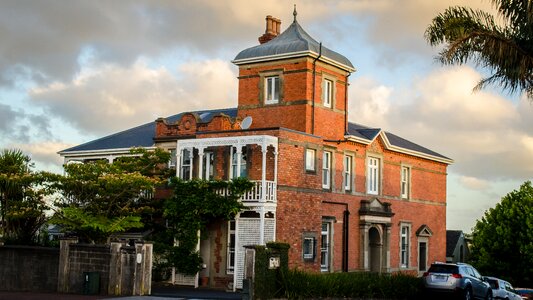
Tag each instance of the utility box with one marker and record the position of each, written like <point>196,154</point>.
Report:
<point>91,283</point>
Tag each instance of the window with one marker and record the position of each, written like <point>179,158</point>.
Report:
<point>272,90</point>
<point>405,182</point>
<point>208,168</point>
<point>324,248</point>
<point>326,170</point>
<point>327,92</point>
<point>404,246</point>
<point>185,163</point>
<point>230,267</point>
<point>348,161</point>
<point>235,161</point>
<point>172,161</point>
<point>309,248</point>
<point>310,159</point>
<point>373,178</point>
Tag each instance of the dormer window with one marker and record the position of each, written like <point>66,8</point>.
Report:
<point>271,89</point>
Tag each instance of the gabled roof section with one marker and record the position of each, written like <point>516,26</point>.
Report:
<point>366,135</point>
<point>452,238</point>
<point>143,135</point>
<point>293,42</point>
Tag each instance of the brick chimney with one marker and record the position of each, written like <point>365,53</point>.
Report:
<point>272,29</point>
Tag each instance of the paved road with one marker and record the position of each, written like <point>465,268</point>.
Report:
<point>160,293</point>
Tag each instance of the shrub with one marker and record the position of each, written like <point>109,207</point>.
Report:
<point>297,284</point>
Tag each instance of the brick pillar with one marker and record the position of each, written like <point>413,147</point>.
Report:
<point>64,265</point>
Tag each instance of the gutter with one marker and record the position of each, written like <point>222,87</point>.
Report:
<point>314,84</point>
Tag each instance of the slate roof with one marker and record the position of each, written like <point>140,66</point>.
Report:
<point>452,237</point>
<point>143,136</point>
<point>294,40</point>
<point>368,133</point>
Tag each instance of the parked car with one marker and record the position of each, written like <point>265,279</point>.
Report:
<point>526,294</point>
<point>502,289</point>
<point>458,279</point>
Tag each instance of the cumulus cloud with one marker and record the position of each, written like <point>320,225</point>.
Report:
<point>43,153</point>
<point>474,183</point>
<point>485,134</point>
<point>16,124</point>
<point>108,98</point>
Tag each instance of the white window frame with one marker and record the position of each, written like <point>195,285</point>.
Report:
<point>405,182</point>
<point>326,169</point>
<point>271,90</point>
<point>327,93</point>
<point>310,160</point>
<point>230,268</point>
<point>373,175</point>
<point>405,245</point>
<point>348,172</point>
<point>208,165</point>
<point>186,164</point>
<point>173,158</point>
<point>233,164</point>
<point>325,246</point>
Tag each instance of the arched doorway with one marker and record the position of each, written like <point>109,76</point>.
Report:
<point>374,240</point>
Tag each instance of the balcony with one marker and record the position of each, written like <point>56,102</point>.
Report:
<point>255,195</point>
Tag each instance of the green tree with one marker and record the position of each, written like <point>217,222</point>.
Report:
<point>474,35</point>
<point>194,204</point>
<point>97,199</point>
<point>22,198</point>
<point>502,242</point>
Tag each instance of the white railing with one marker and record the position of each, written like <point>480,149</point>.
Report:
<point>254,195</point>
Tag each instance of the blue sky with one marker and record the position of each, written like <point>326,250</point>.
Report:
<point>72,71</point>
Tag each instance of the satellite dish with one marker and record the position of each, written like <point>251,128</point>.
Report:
<point>246,122</point>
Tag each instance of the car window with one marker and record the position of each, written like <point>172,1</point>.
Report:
<point>476,273</point>
<point>446,269</point>
<point>493,284</point>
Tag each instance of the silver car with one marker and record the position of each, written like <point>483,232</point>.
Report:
<point>460,280</point>
<point>502,289</point>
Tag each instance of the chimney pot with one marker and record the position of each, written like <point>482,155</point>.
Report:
<point>272,29</point>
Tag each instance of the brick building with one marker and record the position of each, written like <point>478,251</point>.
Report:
<point>346,197</point>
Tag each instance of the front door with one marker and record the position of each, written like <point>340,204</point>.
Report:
<point>374,240</point>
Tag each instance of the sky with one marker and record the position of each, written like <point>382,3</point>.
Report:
<point>73,71</point>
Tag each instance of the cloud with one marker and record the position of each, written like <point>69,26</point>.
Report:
<point>19,125</point>
<point>489,137</point>
<point>107,98</point>
<point>474,183</point>
<point>43,153</point>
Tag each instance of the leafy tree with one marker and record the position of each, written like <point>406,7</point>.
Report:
<point>194,205</point>
<point>502,242</point>
<point>99,198</point>
<point>474,35</point>
<point>22,194</point>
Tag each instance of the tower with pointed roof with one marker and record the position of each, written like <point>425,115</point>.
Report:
<point>296,81</point>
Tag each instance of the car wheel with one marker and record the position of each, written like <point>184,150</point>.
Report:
<point>467,294</point>
<point>489,296</point>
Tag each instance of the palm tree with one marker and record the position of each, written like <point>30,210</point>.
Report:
<point>13,165</point>
<point>474,35</point>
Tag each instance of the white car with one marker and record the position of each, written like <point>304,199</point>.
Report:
<point>502,289</point>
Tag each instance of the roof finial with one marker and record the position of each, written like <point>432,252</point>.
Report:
<point>294,13</point>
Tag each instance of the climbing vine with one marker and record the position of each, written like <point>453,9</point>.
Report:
<point>194,204</point>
